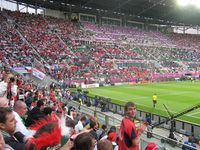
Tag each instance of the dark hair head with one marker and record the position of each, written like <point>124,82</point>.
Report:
<point>104,127</point>
<point>70,123</point>
<point>83,118</point>
<point>94,135</point>
<point>104,145</point>
<point>83,142</point>
<point>3,113</point>
<point>71,109</point>
<point>47,110</point>
<point>127,105</point>
<point>92,124</point>
<point>191,139</point>
<point>112,129</point>
<point>12,79</point>
<point>30,93</point>
<point>40,103</point>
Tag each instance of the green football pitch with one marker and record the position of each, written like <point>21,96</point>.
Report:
<point>177,96</point>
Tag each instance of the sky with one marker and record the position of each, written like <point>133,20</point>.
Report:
<point>13,6</point>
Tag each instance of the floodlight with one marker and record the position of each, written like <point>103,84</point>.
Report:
<point>195,3</point>
<point>183,2</point>
<point>189,2</point>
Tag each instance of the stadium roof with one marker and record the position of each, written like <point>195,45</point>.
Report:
<point>153,11</point>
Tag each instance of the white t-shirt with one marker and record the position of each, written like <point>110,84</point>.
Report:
<point>79,126</point>
<point>20,126</point>
<point>3,89</point>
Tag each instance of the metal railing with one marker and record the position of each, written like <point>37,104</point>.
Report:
<point>112,119</point>
<point>183,127</point>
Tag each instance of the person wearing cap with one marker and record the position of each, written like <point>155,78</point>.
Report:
<point>151,146</point>
<point>113,138</point>
<point>112,129</point>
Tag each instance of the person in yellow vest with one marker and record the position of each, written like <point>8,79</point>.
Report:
<point>80,103</point>
<point>154,99</point>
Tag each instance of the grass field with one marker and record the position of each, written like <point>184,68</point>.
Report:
<point>177,96</point>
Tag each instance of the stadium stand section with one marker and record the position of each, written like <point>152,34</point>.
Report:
<point>84,53</point>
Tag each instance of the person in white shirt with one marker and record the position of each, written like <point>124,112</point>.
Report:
<point>80,124</point>
<point>20,110</point>
<point>8,84</point>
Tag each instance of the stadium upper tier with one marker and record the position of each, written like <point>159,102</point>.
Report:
<point>77,51</point>
<point>139,37</point>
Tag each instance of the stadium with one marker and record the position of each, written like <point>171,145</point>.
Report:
<point>92,57</point>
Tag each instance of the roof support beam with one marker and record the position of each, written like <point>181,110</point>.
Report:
<point>155,4</point>
<point>120,5</point>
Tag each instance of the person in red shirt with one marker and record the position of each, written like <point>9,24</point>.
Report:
<point>52,96</point>
<point>129,136</point>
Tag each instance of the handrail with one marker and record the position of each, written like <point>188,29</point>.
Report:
<point>164,142</point>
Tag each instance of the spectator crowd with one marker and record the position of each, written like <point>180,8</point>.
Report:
<point>33,118</point>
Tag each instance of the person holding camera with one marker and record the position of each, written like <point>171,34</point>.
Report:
<point>8,89</point>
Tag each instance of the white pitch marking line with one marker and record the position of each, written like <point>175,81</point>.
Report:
<point>143,97</point>
<point>191,114</point>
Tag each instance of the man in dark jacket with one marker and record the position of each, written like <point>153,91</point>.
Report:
<point>36,113</point>
<point>8,127</point>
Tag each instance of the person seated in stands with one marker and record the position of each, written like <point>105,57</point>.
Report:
<point>101,132</point>
<point>104,145</point>
<point>20,110</point>
<point>103,106</point>
<point>80,125</point>
<point>189,145</point>
<point>48,111</point>
<point>73,114</point>
<point>113,137</point>
<point>95,102</point>
<point>87,102</point>
<point>93,125</point>
<point>29,99</point>
<point>8,129</point>
<point>148,118</point>
<point>112,129</point>
<point>35,113</point>
<point>151,146</point>
<point>93,128</point>
<point>3,145</point>
<point>68,130</point>
<point>84,141</point>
